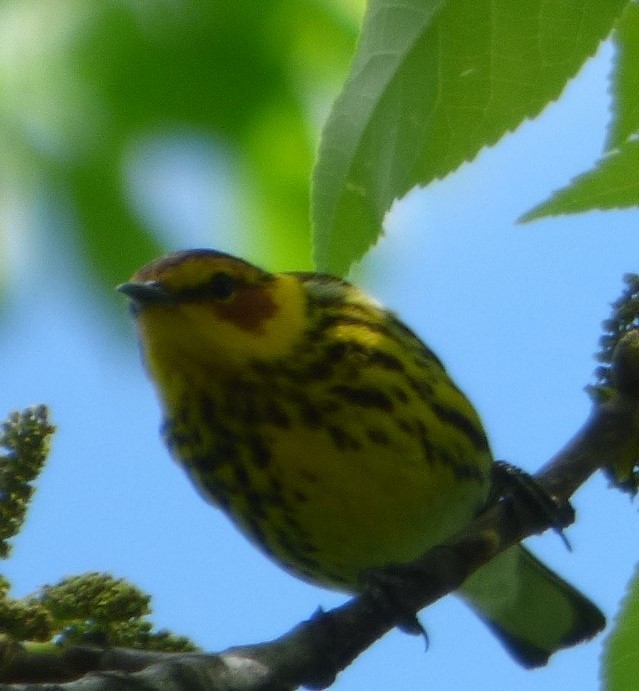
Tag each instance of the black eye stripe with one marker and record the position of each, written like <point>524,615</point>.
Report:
<point>220,286</point>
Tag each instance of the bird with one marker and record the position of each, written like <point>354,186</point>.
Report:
<point>332,436</point>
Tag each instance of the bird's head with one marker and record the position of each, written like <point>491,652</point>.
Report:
<point>207,308</point>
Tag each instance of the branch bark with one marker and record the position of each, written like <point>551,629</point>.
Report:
<point>315,651</point>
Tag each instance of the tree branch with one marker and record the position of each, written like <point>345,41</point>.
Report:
<point>315,651</point>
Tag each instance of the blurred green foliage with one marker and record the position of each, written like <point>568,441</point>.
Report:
<point>83,83</point>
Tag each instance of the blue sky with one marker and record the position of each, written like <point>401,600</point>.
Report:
<point>514,312</point>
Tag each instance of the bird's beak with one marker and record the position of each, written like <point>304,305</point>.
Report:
<point>145,292</point>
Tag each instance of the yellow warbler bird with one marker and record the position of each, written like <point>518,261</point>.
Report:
<point>331,435</point>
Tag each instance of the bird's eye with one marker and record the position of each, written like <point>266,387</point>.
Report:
<point>221,286</point>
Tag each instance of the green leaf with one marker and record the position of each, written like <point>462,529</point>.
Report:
<point>612,184</point>
<point>625,78</point>
<point>620,662</point>
<point>432,83</point>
